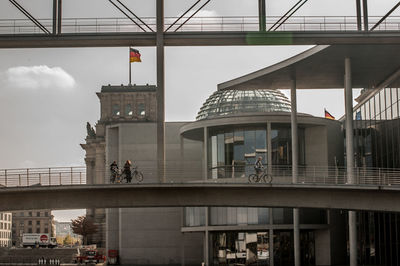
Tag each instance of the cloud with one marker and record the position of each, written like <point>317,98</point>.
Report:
<point>39,77</point>
<point>201,13</point>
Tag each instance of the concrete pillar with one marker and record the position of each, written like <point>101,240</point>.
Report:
<point>269,148</point>
<point>261,15</point>
<point>160,91</point>
<point>206,239</point>
<point>205,153</point>
<point>271,238</point>
<point>295,162</point>
<point>350,156</point>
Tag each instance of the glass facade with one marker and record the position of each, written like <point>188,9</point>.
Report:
<point>228,102</point>
<point>377,130</point>
<point>232,152</point>
<point>377,144</point>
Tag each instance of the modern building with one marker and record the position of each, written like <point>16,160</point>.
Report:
<point>63,229</point>
<point>232,129</point>
<point>5,229</point>
<point>377,145</point>
<point>33,221</point>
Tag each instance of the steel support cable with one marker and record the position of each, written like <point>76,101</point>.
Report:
<point>180,26</point>
<point>293,7</point>
<point>130,11</point>
<point>170,26</point>
<point>294,11</point>
<point>137,24</point>
<point>30,17</point>
<point>385,16</point>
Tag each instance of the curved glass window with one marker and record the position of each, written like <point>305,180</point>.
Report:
<point>227,102</point>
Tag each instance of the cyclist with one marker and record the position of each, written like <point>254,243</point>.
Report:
<point>127,171</point>
<point>113,171</point>
<point>258,166</point>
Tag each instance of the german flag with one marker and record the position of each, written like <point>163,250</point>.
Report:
<point>134,55</point>
<point>328,115</point>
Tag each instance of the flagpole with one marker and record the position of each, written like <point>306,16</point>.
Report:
<point>130,75</point>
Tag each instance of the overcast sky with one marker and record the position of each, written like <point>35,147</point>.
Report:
<point>48,95</point>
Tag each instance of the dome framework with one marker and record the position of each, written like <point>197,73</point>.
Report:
<point>229,102</point>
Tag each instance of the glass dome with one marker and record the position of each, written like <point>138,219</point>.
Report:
<point>228,102</point>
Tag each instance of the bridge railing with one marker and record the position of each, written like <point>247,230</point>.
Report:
<point>43,176</point>
<point>198,24</point>
<point>282,174</point>
<point>181,173</point>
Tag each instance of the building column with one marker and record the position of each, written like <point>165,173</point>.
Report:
<point>206,239</point>
<point>295,162</point>
<point>261,15</point>
<point>160,91</point>
<point>350,156</point>
<point>271,238</point>
<point>269,149</point>
<point>205,153</point>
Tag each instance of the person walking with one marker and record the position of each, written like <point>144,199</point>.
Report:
<point>113,171</point>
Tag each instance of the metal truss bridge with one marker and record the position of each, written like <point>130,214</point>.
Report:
<point>190,30</point>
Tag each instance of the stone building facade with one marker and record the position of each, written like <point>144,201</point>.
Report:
<point>5,229</point>
<point>32,221</point>
<point>118,104</point>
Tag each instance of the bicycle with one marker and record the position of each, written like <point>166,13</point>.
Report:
<point>117,177</point>
<point>256,178</point>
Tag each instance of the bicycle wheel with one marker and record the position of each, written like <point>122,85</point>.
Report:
<point>267,178</point>
<point>139,176</point>
<point>253,178</point>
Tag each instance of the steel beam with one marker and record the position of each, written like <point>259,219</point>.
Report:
<point>385,16</point>
<point>287,15</point>
<point>365,13</point>
<point>197,39</point>
<point>190,8</point>
<point>160,95</point>
<point>262,15</point>
<point>29,16</point>
<point>123,12</point>
<point>180,26</point>
<point>54,23</point>
<point>138,18</point>
<point>59,16</point>
<point>358,11</point>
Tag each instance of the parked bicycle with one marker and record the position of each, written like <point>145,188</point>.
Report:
<point>123,177</point>
<point>257,178</point>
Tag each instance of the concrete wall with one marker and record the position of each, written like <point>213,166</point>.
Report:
<point>153,235</point>
<point>316,146</point>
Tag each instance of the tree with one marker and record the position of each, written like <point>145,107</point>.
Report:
<point>68,241</point>
<point>83,226</point>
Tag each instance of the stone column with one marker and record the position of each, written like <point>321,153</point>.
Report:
<point>295,162</point>
<point>350,156</point>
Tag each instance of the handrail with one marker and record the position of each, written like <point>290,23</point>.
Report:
<point>199,24</point>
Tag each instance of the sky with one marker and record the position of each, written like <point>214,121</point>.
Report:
<point>48,95</point>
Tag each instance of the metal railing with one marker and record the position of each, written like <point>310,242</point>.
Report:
<point>43,176</point>
<point>282,174</point>
<point>178,172</point>
<point>198,24</point>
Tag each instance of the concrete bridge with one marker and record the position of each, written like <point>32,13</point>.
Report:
<point>347,197</point>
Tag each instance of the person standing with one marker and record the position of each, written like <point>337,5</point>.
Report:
<point>127,171</point>
<point>113,171</point>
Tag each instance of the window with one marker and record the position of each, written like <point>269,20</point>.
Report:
<point>30,230</point>
<point>29,222</point>
<point>128,110</point>
<point>38,230</point>
<point>46,214</point>
<point>38,214</point>
<point>116,110</point>
<point>37,222</point>
<point>46,230</point>
<point>30,214</point>
<point>141,109</point>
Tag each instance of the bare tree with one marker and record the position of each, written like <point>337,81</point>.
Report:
<point>83,226</point>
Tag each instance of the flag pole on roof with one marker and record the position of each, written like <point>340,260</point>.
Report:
<point>134,56</point>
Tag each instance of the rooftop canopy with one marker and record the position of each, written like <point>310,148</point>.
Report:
<point>322,67</point>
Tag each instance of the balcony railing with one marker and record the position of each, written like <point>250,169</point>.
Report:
<point>198,24</point>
